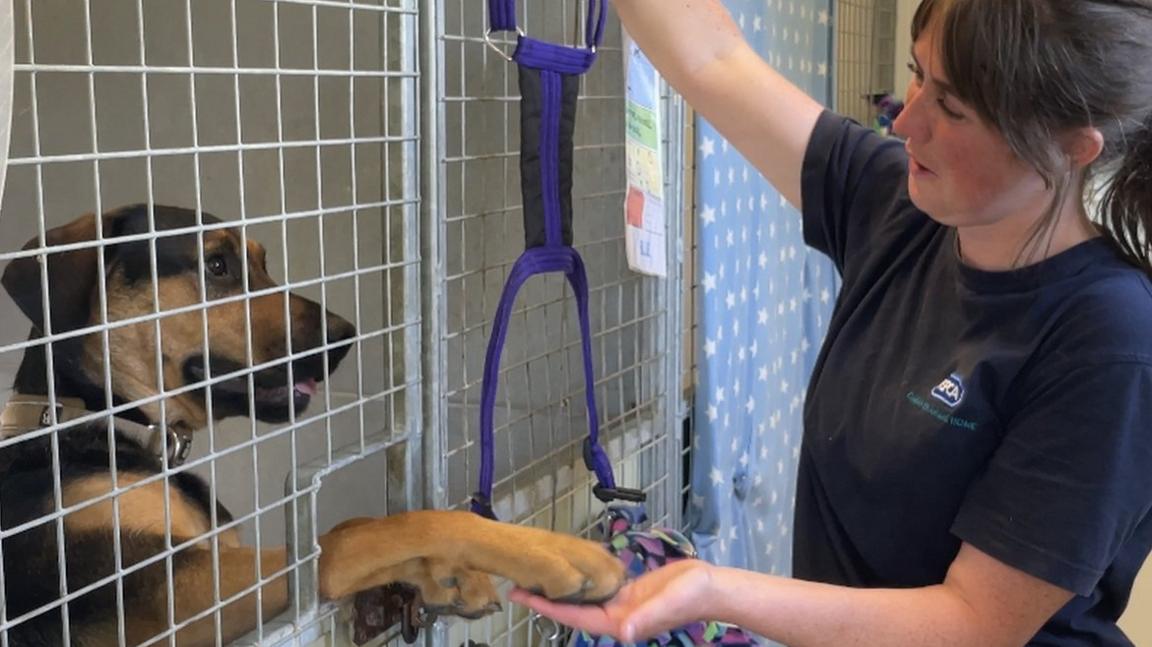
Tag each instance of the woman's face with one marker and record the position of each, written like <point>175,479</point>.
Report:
<point>961,171</point>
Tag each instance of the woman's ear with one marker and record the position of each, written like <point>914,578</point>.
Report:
<point>1082,146</point>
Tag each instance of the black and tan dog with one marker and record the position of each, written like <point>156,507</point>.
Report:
<point>447,555</point>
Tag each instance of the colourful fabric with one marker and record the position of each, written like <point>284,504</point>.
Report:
<point>647,550</point>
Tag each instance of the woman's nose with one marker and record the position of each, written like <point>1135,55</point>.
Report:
<point>909,118</point>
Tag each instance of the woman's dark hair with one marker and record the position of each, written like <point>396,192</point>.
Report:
<point>1036,68</point>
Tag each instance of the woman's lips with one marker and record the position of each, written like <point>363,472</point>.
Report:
<point>916,168</point>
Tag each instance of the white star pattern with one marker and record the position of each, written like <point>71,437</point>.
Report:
<point>707,147</point>
<point>717,477</point>
<point>756,273</point>
<point>707,215</point>
<point>709,282</point>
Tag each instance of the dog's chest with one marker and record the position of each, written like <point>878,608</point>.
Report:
<point>85,465</point>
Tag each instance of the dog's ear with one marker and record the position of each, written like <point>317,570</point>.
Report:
<point>71,275</point>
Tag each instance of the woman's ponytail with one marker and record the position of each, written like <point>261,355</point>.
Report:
<point>1126,204</point>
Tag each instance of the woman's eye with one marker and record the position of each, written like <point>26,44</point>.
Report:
<point>948,111</point>
<point>216,266</point>
<point>916,72</point>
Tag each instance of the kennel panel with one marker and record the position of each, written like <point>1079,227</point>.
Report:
<point>473,237</point>
<point>295,122</point>
<point>865,56</point>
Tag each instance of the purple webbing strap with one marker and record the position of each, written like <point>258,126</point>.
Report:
<point>595,27</point>
<point>553,62</point>
<point>553,58</point>
<point>502,17</point>
<point>538,260</point>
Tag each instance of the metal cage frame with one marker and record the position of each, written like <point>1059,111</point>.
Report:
<point>399,402</point>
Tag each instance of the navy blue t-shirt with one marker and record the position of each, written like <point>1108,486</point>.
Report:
<point>1010,410</point>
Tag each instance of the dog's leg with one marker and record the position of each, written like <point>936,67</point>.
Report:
<point>195,588</point>
<point>446,554</point>
<point>363,554</point>
<point>445,590</point>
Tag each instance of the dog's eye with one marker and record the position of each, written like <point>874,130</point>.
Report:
<point>216,266</point>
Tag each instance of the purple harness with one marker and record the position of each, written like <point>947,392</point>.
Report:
<point>549,82</point>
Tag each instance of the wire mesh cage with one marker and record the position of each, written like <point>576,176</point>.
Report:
<point>865,56</point>
<point>298,201</point>
<point>295,124</point>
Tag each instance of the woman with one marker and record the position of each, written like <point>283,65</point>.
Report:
<point>977,459</point>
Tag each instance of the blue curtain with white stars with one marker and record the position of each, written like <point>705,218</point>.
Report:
<point>765,307</point>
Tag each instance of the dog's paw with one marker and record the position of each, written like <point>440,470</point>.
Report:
<point>566,568</point>
<point>449,590</point>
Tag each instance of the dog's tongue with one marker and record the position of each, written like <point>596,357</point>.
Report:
<point>307,387</point>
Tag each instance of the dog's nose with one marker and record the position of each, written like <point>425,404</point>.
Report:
<point>339,330</point>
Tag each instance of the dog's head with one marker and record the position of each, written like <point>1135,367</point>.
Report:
<point>208,301</point>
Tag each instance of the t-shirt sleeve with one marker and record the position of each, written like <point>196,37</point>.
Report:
<point>1070,482</point>
<point>850,178</point>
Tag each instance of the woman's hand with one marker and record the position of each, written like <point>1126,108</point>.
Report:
<point>982,601</point>
<point>663,599</point>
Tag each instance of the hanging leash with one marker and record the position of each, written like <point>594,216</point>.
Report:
<point>549,84</point>
<point>549,79</point>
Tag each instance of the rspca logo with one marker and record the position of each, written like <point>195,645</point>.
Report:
<point>950,391</point>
